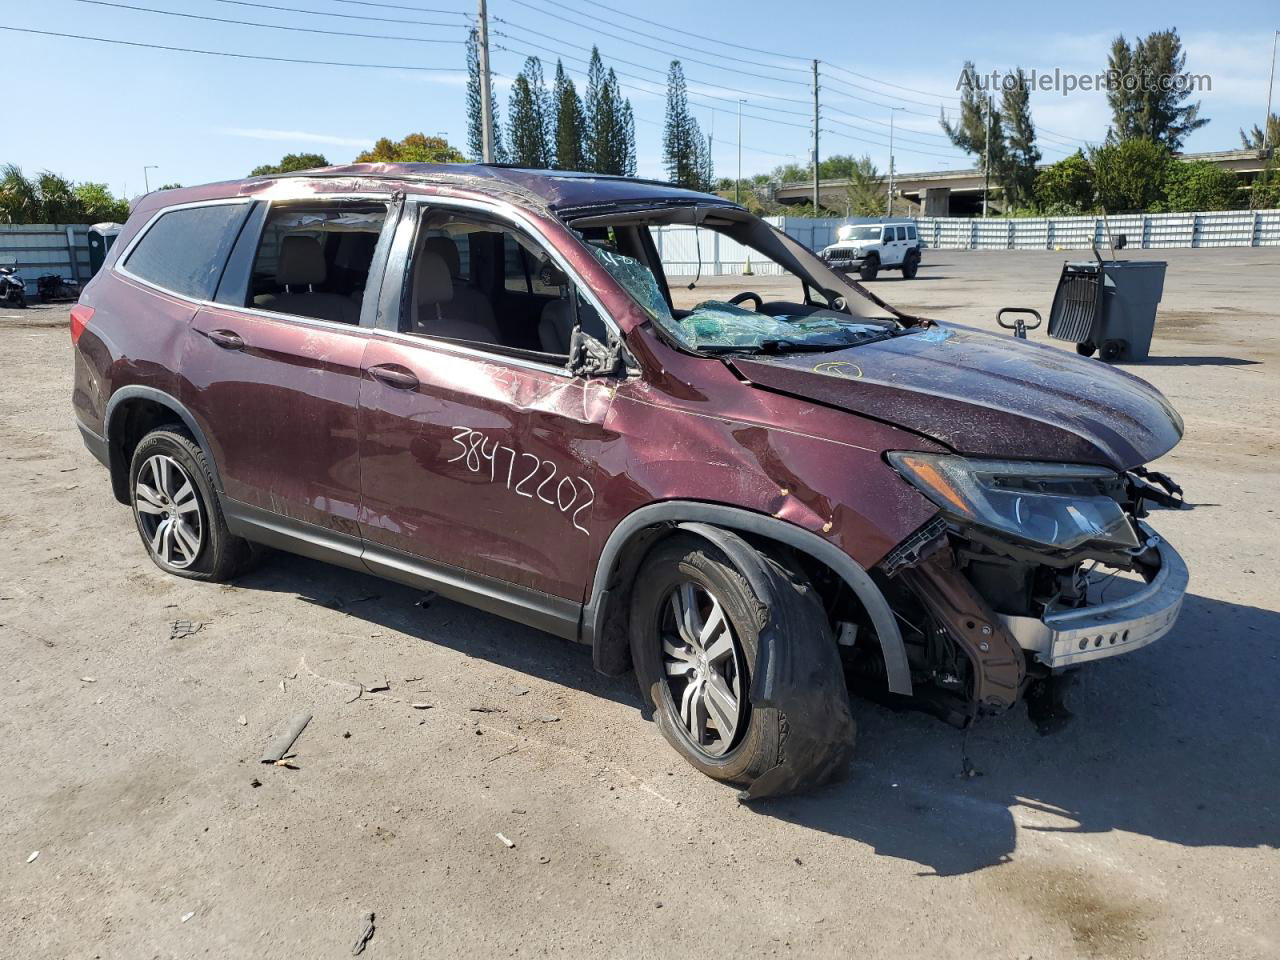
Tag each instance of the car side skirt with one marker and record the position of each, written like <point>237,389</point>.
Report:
<point>541,611</point>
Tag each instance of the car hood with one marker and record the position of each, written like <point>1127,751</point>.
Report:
<point>985,395</point>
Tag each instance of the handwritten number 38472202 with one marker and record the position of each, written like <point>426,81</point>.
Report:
<point>534,477</point>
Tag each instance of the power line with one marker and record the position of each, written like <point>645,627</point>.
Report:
<point>325,13</point>
<point>693,97</point>
<point>636,43</point>
<point>400,6</point>
<point>661,73</point>
<point>897,136</point>
<point>272,26</point>
<point>886,83</point>
<point>698,36</point>
<point>875,143</point>
<point>225,53</point>
<point>675,43</point>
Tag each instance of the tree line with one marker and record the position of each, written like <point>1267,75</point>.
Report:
<point>1136,168</point>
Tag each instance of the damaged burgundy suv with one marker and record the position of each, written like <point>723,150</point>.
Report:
<point>476,380</point>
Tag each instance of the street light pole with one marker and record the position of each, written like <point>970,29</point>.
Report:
<point>815,138</point>
<point>737,186</point>
<point>889,202</point>
<point>1266,122</point>
<point>486,102</point>
<point>146,182</point>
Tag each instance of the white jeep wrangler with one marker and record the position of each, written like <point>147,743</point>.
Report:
<point>871,247</point>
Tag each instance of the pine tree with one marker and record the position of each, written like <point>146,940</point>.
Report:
<point>527,118</point>
<point>570,124</point>
<point>629,123</point>
<point>978,121</point>
<point>475,123</point>
<point>683,151</point>
<point>1252,140</point>
<point>1149,89</point>
<point>620,133</point>
<point>597,136</point>
<point>1019,153</point>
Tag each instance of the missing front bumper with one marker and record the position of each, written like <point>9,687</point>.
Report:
<point>1068,638</point>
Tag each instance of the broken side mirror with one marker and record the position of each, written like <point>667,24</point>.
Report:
<point>549,275</point>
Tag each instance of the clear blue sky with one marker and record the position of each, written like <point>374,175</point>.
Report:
<point>92,111</point>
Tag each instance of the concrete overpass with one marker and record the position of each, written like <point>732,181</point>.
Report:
<point>958,193</point>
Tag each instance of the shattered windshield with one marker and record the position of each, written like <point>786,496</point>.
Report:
<point>718,326</point>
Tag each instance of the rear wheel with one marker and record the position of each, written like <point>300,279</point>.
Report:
<point>177,512</point>
<point>910,265</point>
<point>1085,349</point>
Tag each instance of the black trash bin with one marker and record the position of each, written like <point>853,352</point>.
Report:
<point>101,237</point>
<point>1108,306</point>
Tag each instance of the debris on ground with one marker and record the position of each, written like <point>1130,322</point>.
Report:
<point>544,859</point>
<point>366,934</point>
<point>549,718</point>
<point>506,842</point>
<point>425,600</point>
<point>505,753</point>
<point>34,854</point>
<point>374,686</point>
<point>184,628</point>
<point>88,680</point>
<point>487,710</point>
<point>242,720</point>
<point>281,744</point>
<point>359,693</point>
<point>188,916</point>
<point>255,783</point>
<point>422,706</point>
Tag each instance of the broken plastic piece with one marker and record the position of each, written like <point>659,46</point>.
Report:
<point>281,744</point>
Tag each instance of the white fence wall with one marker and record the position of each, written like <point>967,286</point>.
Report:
<point>680,246</point>
<point>40,248</point>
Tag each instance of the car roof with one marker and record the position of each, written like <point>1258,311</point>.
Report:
<point>558,189</point>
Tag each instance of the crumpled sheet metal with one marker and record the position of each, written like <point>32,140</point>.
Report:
<point>797,672</point>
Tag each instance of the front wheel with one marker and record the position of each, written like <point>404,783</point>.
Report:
<point>177,512</point>
<point>697,628</point>
<point>870,267</point>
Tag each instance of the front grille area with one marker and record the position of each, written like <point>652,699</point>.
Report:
<point>841,253</point>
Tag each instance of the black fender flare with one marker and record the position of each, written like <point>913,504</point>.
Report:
<point>119,469</point>
<point>681,512</point>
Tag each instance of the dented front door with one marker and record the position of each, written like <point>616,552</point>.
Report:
<point>480,461</point>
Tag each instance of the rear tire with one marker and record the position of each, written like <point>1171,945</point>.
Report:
<point>177,512</point>
<point>910,266</point>
<point>1085,349</point>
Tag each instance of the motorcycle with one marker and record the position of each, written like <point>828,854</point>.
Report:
<point>13,292</point>
<point>51,286</point>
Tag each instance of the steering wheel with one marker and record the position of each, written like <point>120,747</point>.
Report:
<point>748,295</point>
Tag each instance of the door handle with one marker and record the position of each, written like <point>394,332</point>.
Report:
<point>394,375</point>
<point>227,339</point>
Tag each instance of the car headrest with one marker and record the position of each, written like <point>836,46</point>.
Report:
<point>301,261</point>
<point>431,280</point>
<point>447,249</point>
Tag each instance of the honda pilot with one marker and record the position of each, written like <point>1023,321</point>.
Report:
<point>476,380</point>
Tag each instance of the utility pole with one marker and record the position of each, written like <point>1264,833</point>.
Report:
<point>889,203</point>
<point>486,101</point>
<point>146,181</point>
<point>815,138</point>
<point>737,185</point>
<point>1266,123</point>
<point>986,158</point>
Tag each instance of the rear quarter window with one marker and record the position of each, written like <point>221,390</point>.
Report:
<point>185,250</point>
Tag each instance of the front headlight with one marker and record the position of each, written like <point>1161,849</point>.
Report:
<point>1056,504</point>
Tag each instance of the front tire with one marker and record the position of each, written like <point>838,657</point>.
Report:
<point>870,267</point>
<point>177,512</point>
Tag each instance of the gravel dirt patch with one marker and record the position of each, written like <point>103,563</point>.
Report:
<point>1148,828</point>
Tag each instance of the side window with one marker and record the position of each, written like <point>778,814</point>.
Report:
<point>513,298</point>
<point>902,233</point>
<point>185,250</point>
<point>911,233</point>
<point>313,259</point>
<point>888,235</point>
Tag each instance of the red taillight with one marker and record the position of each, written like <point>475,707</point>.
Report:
<point>80,317</point>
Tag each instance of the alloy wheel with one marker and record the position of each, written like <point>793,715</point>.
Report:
<point>169,511</point>
<point>703,661</point>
